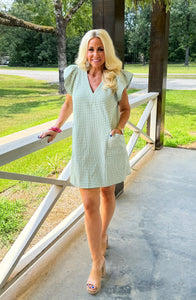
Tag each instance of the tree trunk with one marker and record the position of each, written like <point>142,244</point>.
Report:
<point>61,43</point>
<point>186,63</point>
<point>187,56</point>
<point>144,60</point>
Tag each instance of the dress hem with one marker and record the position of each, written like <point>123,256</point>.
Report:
<point>99,186</point>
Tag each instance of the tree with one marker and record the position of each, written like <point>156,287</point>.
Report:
<point>182,40</point>
<point>182,31</point>
<point>137,34</point>
<point>62,17</point>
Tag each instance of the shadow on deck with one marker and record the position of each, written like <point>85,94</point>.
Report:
<point>152,241</point>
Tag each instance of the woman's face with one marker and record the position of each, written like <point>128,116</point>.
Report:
<point>95,53</point>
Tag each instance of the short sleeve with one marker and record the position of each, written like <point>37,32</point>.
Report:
<point>123,81</point>
<point>70,74</point>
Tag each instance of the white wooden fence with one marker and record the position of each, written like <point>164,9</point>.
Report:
<point>15,262</point>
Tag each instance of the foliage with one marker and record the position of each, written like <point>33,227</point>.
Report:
<point>32,48</point>
<point>182,31</point>
<point>182,39</point>
<point>11,219</point>
<point>26,47</point>
<point>137,34</point>
<point>144,3</point>
<point>81,21</point>
<point>39,12</point>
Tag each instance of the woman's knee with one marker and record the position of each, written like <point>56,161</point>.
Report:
<point>91,201</point>
<point>107,193</point>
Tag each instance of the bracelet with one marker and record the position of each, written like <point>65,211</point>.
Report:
<point>121,129</point>
<point>56,129</point>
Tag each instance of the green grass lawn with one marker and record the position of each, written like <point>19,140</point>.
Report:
<point>27,102</point>
<point>30,68</point>
<point>12,221</point>
<point>172,68</point>
<point>180,117</point>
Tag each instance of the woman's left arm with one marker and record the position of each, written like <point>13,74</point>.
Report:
<point>124,113</point>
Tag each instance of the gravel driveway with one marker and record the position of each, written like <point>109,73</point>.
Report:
<point>139,83</point>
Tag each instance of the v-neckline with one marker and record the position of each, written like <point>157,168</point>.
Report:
<point>93,92</point>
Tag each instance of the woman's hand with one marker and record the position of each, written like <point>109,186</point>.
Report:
<point>50,133</point>
<point>116,130</point>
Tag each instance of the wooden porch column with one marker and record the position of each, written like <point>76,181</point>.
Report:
<point>109,15</point>
<point>158,65</point>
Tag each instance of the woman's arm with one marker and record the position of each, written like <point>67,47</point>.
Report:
<point>124,113</point>
<point>65,112</point>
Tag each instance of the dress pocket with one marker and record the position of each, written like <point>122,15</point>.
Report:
<point>117,161</point>
<point>116,145</point>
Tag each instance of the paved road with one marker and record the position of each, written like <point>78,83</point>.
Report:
<point>139,83</point>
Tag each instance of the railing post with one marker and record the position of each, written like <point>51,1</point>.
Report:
<point>158,65</point>
<point>153,121</point>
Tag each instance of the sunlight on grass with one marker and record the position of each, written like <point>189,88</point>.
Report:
<point>26,102</point>
<point>180,117</point>
<point>172,68</point>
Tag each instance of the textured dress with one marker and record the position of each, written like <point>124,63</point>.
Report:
<point>98,159</point>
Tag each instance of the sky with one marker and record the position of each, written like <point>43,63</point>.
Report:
<point>6,3</point>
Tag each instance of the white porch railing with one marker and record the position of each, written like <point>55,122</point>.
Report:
<point>15,262</point>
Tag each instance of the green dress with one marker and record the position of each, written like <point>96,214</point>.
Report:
<point>98,159</point>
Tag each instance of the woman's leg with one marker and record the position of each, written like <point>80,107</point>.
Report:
<point>107,211</point>
<point>93,224</point>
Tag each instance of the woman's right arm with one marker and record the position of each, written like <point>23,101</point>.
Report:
<point>65,112</point>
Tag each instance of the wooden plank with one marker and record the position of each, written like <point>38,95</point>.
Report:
<point>140,154</point>
<point>29,258</point>
<point>29,144</point>
<point>24,177</point>
<point>137,130</point>
<point>132,142</point>
<point>109,15</point>
<point>140,126</point>
<point>158,65</point>
<point>145,114</point>
<point>26,236</point>
<point>137,101</point>
<point>132,127</point>
<point>153,120</point>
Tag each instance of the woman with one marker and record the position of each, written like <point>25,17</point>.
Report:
<point>97,95</point>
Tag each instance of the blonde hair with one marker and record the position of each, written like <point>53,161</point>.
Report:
<point>113,64</point>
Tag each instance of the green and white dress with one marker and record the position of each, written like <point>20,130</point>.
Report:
<point>98,159</point>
